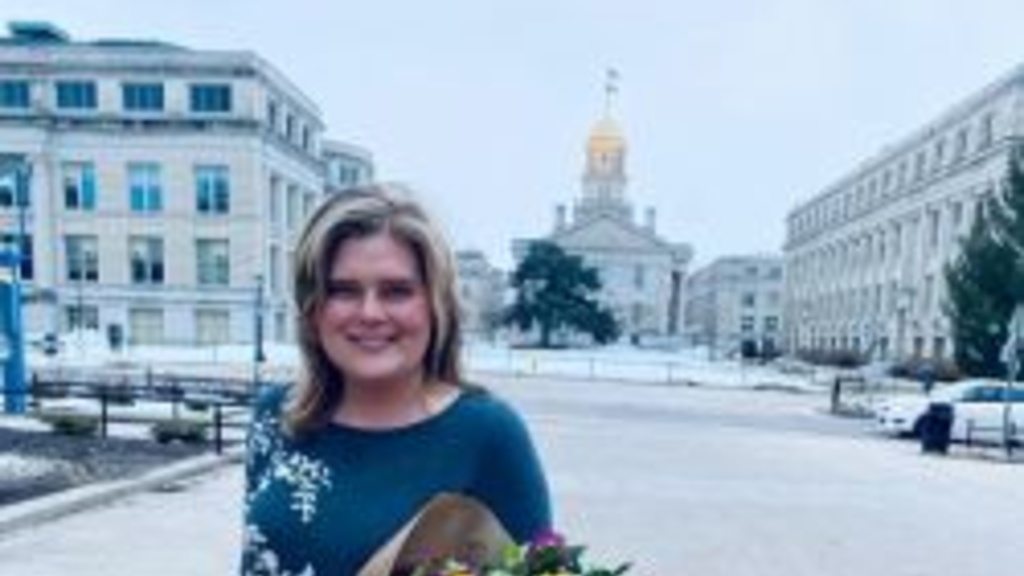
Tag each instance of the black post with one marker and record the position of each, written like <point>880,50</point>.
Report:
<point>103,411</point>
<point>257,356</point>
<point>218,424</point>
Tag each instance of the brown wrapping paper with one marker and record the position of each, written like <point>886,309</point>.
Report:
<point>449,525</point>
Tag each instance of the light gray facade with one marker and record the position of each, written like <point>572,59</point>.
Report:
<point>865,256</point>
<point>735,305</point>
<point>481,289</point>
<point>347,165</point>
<point>167,185</point>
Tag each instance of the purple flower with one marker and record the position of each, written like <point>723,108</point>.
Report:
<point>548,539</point>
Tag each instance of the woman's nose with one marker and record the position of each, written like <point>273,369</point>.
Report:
<point>372,307</point>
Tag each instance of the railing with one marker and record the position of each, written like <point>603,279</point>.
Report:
<point>650,367</point>
<point>132,397</point>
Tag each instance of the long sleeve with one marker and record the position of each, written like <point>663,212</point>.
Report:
<point>510,478</point>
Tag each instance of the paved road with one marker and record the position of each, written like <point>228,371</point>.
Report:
<point>685,481</point>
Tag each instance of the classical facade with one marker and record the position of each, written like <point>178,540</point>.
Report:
<point>347,165</point>
<point>166,185</point>
<point>865,256</point>
<point>642,274</point>
<point>481,289</point>
<point>734,306</point>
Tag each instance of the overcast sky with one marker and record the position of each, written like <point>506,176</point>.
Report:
<point>734,110</point>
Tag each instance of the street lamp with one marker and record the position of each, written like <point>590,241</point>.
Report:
<point>258,357</point>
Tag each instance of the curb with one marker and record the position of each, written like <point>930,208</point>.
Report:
<point>55,506</point>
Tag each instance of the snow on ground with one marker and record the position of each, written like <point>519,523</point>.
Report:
<point>614,362</point>
<point>16,466</point>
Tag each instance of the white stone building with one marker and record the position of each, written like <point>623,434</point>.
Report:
<point>734,305</point>
<point>865,256</point>
<point>642,274</point>
<point>347,165</point>
<point>481,289</point>
<point>166,185</point>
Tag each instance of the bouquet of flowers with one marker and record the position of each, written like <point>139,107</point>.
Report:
<point>547,555</point>
<point>455,535</point>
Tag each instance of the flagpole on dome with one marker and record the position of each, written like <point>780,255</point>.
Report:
<point>611,88</point>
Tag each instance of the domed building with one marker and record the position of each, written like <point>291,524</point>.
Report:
<point>642,274</point>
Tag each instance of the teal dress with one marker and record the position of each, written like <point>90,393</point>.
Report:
<point>322,505</point>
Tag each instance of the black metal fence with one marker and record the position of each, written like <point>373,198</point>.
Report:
<point>226,402</point>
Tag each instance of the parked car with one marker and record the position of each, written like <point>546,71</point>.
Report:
<point>977,410</point>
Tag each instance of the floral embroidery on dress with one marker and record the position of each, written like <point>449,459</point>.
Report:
<point>262,448</point>
<point>264,439</point>
<point>306,477</point>
<point>262,560</point>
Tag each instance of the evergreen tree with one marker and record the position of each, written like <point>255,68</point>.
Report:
<point>554,290</point>
<point>984,282</point>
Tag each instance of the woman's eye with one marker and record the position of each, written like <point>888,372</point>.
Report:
<point>344,291</point>
<point>396,291</point>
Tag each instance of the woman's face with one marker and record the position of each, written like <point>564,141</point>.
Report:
<point>374,324</point>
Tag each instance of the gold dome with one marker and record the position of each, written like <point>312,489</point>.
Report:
<point>606,136</point>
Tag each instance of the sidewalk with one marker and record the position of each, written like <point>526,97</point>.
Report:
<point>108,540</point>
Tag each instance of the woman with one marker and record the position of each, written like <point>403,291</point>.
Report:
<point>381,419</point>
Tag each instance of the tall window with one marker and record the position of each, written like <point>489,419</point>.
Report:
<point>985,131</point>
<point>213,327</point>
<point>82,260</point>
<point>960,149</point>
<point>14,94</point>
<point>7,195</point>
<point>307,138</point>
<point>212,262</point>
<point>280,326</point>
<point>748,300</point>
<point>929,294</point>
<point>79,182</point>
<point>919,164</point>
<point>293,209</point>
<point>639,275</point>
<point>274,209</point>
<point>747,324</point>
<point>9,243</point>
<point>144,190</point>
<point>210,97</point>
<point>10,196</point>
<point>273,113</point>
<point>940,155</point>
<point>76,94</point>
<point>146,259</point>
<point>275,269</point>
<point>146,325</point>
<point>934,224</point>
<point>289,127</point>
<point>308,204</point>
<point>213,193</point>
<point>81,317</point>
<point>142,97</point>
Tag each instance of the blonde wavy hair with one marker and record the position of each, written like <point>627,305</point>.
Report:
<point>358,213</point>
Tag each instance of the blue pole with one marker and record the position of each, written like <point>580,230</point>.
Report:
<point>15,383</point>
<point>14,366</point>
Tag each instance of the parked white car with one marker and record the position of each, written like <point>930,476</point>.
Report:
<point>977,410</point>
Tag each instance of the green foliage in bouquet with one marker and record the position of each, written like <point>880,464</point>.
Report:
<point>546,555</point>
